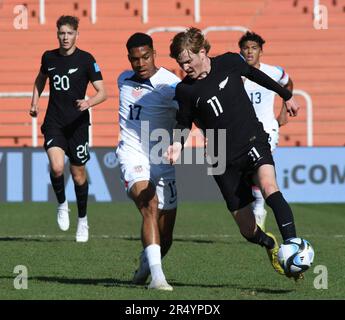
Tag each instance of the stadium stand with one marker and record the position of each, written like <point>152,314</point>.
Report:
<point>311,56</point>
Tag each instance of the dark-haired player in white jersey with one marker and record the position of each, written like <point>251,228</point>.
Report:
<point>251,46</point>
<point>147,107</point>
<point>67,121</point>
<point>213,95</point>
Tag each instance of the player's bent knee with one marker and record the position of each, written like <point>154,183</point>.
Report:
<point>149,203</point>
<point>79,180</point>
<point>57,170</point>
<point>269,189</point>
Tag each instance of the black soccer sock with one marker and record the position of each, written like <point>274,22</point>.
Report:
<point>82,193</point>
<point>283,215</point>
<point>58,184</point>
<point>261,238</point>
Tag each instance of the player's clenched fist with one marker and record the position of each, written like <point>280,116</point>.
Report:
<point>33,111</point>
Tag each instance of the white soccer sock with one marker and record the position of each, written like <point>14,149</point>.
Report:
<point>153,254</point>
<point>83,220</point>
<point>63,205</point>
<point>259,203</point>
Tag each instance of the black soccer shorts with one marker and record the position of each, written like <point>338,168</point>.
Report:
<point>74,141</point>
<point>236,182</point>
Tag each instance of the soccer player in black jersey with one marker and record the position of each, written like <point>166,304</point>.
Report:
<point>213,95</point>
<point>66,123</point>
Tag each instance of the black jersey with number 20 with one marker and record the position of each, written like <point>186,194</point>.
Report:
<point>219,101</point>
<point>68,80</point>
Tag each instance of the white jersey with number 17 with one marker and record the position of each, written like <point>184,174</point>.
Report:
<point>146,105</point>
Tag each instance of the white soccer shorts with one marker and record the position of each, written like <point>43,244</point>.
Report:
<point>273,138</point>
<point>136,167</point>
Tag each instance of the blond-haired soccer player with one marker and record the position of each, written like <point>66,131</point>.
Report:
<point>213,94</point>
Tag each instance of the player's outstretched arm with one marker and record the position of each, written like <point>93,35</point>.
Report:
<point>283,115</point>
<point>39,85</point>
<point>99,97</point>
<point>264,80</point>
<point>292,107</point>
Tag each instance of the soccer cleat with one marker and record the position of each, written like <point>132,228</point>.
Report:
<point>143,272</point>
<point>297,277</point>
<point>260,218</point>
<point>82,231</point>
<point>160,285</point>
<point>273,255</point>
<point>63,216</point>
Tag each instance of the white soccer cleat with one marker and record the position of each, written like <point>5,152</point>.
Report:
<point>82,234</point>
<point>160,285</point>
<point>143,272</point>
<point>63,216</point>
<point>260,218</point>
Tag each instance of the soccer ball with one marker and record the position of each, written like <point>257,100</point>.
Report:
<point>295,256</point>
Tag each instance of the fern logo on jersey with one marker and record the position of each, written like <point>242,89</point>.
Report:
<point>223,83</point>
<point>70,71</point>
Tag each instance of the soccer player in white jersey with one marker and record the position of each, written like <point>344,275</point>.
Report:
<point>147,105</point>
<point>251,46</point>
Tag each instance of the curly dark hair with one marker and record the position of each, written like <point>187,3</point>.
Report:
<point>251,36</point>
<point>138,40</point>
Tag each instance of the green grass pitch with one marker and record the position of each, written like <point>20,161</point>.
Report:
<point>208,260</point>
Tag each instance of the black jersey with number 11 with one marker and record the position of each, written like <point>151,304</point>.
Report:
<point>219,101</point>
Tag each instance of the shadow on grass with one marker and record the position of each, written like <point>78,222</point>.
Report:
<point>106,282</point>
<point>113,282</point>
<point>232,286</point>
<point>35,239</point>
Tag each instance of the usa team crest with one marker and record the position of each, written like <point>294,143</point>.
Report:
<point>137,92</point>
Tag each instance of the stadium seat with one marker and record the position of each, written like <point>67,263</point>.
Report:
<point>312,57</point>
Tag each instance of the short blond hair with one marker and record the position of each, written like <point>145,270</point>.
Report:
<point>192,39</point>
